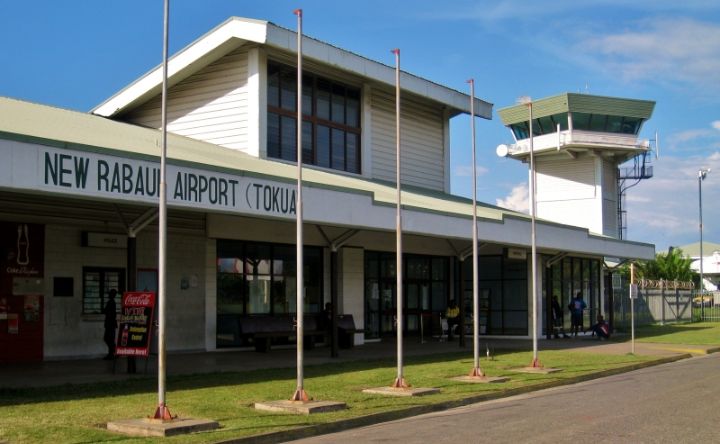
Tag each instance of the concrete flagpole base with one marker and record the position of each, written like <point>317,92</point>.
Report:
<point>300,407</point>
<point>161,427</point>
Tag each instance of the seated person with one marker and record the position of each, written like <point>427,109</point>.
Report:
<point>601,329</point>
<point>453,318</point>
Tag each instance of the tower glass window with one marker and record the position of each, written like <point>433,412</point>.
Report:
<point>331,120</point>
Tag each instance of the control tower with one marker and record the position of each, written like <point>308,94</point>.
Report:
<point>579,142</point>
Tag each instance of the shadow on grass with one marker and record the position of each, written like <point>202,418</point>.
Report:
<point>71,392</point>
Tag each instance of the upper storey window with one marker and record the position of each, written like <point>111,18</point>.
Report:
<point>331,120</point>
<point>581,121</point>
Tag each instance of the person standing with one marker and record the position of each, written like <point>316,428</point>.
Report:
<point>557,319</point>
<point>453,318</point>
<point>577,305</point>
<point>110,312</point>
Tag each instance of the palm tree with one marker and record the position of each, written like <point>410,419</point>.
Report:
<point>671,266</point>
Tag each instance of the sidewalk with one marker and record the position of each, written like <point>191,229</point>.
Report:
<point>53,373</point>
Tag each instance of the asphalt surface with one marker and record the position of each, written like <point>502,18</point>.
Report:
<point>671,403</point>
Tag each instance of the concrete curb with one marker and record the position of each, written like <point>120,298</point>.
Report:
<point>362,421</point>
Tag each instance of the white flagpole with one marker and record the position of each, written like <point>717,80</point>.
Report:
<point>399,380</point>
<point>162,411</point>
<point>476,371</point>
<point>533,236</point>
<point>299,394</point>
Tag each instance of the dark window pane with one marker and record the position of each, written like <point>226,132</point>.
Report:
<point>597,122</point>
<point>520,130</point>
<point>353,161</point>
<point>323,146</point>
<point>581,121</point>
<point>352,117</point>
<point>273,87</point>
<point>289,139</point>
<point>323,99</point>
<point>288,90</point>
<point>273,135</point>
<point>307,142</point>
<point>338,104</point>
<point>307,96</point>
<point>631,125</point>
<point>338,149</point>
<point>546,125</point>
<point>614,124</point>
<point>352,112</point>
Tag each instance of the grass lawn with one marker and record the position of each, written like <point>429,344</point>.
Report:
<point>77,414</point>
<point>699,333</point>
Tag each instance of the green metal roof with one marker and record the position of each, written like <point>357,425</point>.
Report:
<point>693,250</point>
<point>580,103</point>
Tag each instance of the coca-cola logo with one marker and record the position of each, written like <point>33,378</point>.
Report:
<point>143,299</point>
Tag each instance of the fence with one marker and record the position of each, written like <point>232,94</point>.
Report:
<point>707,309</point>
<point>653,306</point>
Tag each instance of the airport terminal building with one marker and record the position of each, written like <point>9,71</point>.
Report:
<point>79,197</point>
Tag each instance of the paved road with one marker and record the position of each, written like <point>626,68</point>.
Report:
<point>673,403</point>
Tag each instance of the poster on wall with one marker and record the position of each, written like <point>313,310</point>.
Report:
<point>135,322</point>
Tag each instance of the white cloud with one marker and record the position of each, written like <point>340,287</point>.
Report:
<point>666,50</point>
<point>517,200</point>
<point>716,125</point>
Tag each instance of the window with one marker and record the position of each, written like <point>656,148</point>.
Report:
<point>97,282</point>
<point>331,120</point>
<point>255,278</point>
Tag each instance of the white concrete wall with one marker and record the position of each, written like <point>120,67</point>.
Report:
<point>569,191</point>
<point>69,333</point>
<point>352,287</point>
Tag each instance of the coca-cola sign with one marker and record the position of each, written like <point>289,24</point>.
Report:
<point>136,323</point>
<point>22,247</point>
<point>139,299</point>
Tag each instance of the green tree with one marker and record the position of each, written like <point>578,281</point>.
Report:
<point>671,266</point>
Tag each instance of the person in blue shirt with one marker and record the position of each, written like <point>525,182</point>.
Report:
<point>577,305</point>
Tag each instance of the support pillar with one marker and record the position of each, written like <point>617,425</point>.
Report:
<point>334,304</point>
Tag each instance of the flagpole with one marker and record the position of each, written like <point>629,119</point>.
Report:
<point>476,371</point>
<point>533,237</point>
<point>300,394</point>
<point>162,411</point>
<point>399,380</point>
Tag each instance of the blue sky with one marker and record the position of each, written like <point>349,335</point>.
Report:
<point>76,53</point>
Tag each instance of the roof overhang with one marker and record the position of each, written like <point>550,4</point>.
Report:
<point>238,31</point>
<point>580,103</point>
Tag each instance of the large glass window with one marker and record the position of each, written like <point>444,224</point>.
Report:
<point>260,279</point>
<point>331,120</point>
<point>575,275</point>
<point>426,291</point>
<point>502,294</point>
<point>581,121</point>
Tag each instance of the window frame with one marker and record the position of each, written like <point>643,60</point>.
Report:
<point>103,291</point>
<point>311,149</point>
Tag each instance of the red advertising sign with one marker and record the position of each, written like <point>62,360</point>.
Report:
<point>135,321</point>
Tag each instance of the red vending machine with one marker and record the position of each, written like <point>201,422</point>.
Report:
<point>21,292</point>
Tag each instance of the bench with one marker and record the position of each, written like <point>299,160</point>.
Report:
<point>346,330</point>
<point>261,330</point>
